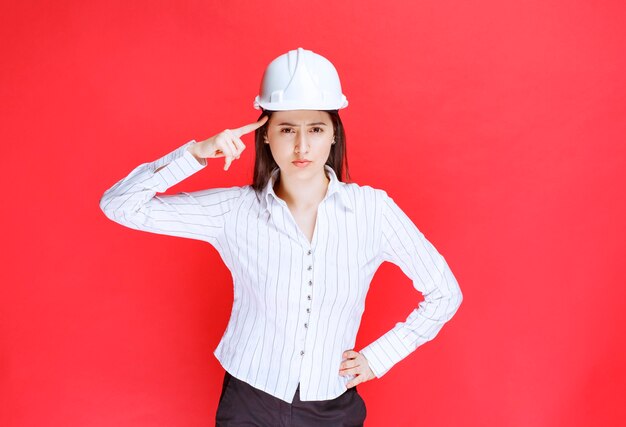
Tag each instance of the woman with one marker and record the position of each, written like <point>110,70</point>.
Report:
<point>302,246</point>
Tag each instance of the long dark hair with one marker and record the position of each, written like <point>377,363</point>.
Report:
<point>264,162</point>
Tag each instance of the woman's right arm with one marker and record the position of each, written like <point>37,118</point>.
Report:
<point>134,203</point>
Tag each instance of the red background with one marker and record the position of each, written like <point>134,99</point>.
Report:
<point>498,126</point>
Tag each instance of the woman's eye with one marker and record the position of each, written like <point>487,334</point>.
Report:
<point>286,130</point>
<point>318,130</point>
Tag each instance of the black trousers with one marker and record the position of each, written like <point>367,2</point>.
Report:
<point>243,405</point>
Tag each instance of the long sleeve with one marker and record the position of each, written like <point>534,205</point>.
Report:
<point>199,215</point>
<point>404,245</point>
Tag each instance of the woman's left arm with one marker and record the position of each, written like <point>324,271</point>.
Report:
<point>405,245</point>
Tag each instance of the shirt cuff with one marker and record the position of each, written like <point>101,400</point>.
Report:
<point>385,352</point>
<point>178,165</point>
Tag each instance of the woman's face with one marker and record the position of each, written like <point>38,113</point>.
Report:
<point>300,135</point>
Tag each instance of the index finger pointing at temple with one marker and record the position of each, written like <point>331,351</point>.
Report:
<point>249,128</point>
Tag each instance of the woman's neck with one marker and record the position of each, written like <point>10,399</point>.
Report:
<point>302,193</point>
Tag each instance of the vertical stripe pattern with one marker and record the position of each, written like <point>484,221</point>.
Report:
<point>297,303</point>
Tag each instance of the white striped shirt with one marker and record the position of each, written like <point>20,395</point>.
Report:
<point>297,304</point>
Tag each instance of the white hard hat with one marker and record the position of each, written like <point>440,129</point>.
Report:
<point>300,80</point>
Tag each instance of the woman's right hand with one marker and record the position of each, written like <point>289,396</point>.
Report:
<point>225,144</point>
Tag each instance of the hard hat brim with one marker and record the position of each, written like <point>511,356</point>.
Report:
<point>298,105</point>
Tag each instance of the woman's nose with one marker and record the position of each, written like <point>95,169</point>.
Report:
<point>301,143</point>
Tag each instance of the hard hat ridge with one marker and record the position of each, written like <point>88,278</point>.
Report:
<point>300,80</point>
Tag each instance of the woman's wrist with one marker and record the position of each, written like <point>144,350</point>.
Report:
<point>192,148</point>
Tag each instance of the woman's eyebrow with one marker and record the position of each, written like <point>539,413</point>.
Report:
<point>310,124</point>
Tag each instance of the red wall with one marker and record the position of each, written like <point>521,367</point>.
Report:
<point>498,126</point>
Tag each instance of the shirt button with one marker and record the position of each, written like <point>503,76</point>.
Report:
<point>308,297</point>
<point>302,353</point>
<point>308,310</point>
<point>309,267</point>
<point>309,252</point>
<point>310,282</point>
<point>306,325</point>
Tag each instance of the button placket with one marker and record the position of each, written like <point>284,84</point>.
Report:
<point>309,252</point>
<point>310,281</point>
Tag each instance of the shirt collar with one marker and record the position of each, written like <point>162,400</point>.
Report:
<point>334,186</point>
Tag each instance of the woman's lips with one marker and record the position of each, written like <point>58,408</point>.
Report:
<point>301,163</point>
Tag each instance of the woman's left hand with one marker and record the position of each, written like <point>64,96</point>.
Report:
<point>356,364</point>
